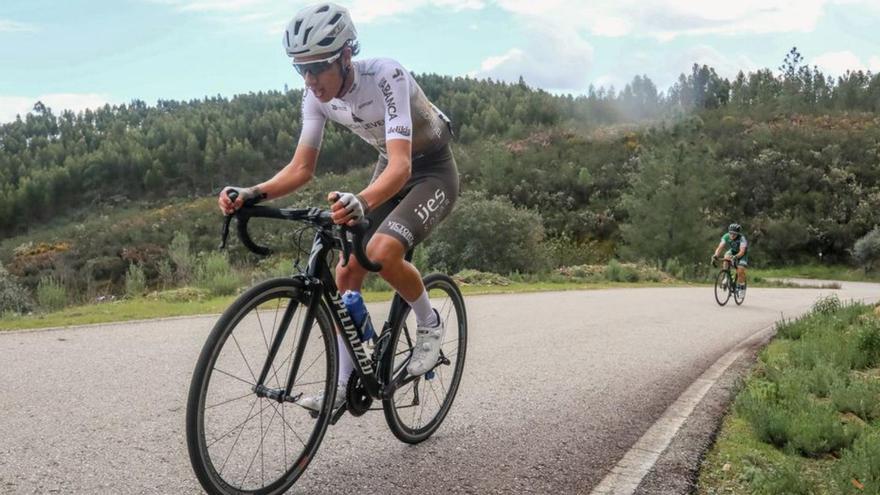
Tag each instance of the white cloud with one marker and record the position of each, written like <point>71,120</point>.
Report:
<point>837,63</point>
<point>7,26</point>
<point>668,19</point>
<point>555,59</point>
<point>10,106</point>
<point>724,65</point>
<point>363,11</point>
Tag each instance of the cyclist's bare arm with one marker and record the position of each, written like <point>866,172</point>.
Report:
<point>395,175</point>
<point>294,175</point>
<point>719,248</point>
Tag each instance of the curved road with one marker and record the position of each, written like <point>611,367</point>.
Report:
<point>557,388</point>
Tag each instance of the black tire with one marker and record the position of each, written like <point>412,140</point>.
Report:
<point>230,361</point>
<point>722,291</point>
<point>739,298</point>
<point>405,410</point>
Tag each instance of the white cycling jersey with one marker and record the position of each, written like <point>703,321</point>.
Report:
<point>384,102</point>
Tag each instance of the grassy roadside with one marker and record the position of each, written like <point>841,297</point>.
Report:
<point>147,308</point>
<point>807,420</point>
<point>822,272</point>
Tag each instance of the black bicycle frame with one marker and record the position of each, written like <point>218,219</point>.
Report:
<point>319,282</point>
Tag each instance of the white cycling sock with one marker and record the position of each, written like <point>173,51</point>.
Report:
<point>346,365</point>
<point>425,316</point>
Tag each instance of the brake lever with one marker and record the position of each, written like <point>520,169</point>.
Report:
<point>224,234</point>
<point>346,245</point>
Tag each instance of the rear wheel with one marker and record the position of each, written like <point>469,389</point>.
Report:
<point>722,288</point>
<point>240,443</point>
<point>740,296</point>
<point>418,407</point>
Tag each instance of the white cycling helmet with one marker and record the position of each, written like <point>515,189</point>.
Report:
<point>323,28</point>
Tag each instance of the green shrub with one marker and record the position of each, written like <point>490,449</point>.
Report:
<point>860,398</point>
<point>861,462</point>
<point>827,305</point>
<point>818,430</point>
<point>166,274</point>
<point>375,283</point>
<point>215,274</point>
<point>778,479</point>
<point>183,259</point>
<point>824,378</point>
<point>51,294</point>
<point>13,297</point>
<point>135,281</point>
<point>487,234</point>
<point>565,251</point>
<point>869,343</point>
<point>616,272</point>
<point>866,251</point>
<point>791,329</point>
<point>768,419</point>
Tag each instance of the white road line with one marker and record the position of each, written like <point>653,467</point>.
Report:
<point>624,478</point>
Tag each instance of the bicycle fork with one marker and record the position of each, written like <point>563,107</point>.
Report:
<point>284,394</point>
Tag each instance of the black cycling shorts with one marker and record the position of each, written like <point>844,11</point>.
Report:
<point>423,202</point>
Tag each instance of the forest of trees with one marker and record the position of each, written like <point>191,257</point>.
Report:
<point>792,154</point>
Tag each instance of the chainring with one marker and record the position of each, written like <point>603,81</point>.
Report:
<point>356,396</point>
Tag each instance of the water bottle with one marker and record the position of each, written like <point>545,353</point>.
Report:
<point>358,311</point>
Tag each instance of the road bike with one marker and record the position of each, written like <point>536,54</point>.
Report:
<point>725,283</point>
<point>277,343</point>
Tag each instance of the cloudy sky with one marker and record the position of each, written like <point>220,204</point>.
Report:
<point>83,53</point>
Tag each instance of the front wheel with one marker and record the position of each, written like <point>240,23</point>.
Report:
<point>242,443</point>
<point>416,409</point>
<point>722,288</point>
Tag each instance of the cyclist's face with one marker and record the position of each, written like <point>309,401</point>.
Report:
<point>734,235</point>
<point>325,80</point>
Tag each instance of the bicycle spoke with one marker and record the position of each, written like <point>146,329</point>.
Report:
<point>228,401</point>
<point>289,427</point>
<point>252,384</point>
<point>310,366</point>
<point>249,417</point>
<point>262,437</point>
<point>242,356</point>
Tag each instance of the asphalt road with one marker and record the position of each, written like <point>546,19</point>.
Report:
<point>557,387</point>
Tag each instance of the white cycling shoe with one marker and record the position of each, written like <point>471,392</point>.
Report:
<point>426,352</point>
<point>315,402</point>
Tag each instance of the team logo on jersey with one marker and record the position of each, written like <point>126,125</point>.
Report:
<point>389,99</point>
<point>401,129</point>
<point>371,125</point>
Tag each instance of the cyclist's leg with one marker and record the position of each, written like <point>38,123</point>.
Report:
<point>741,270</point>
<point>433,191</point>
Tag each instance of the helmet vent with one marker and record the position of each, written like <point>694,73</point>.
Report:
<point>296,27</point>
<point>335,18</point>
<point>323,8</point>
<point>326,41</point>
<point>306,36</point>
